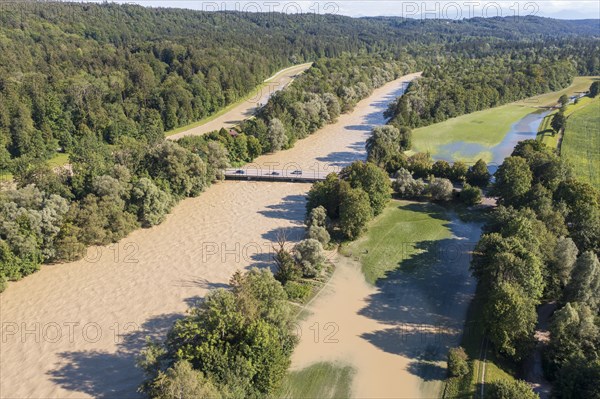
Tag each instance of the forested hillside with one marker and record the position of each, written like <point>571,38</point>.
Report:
<point>71,69</point>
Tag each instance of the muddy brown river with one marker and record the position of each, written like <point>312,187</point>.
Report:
<point>73,330</point>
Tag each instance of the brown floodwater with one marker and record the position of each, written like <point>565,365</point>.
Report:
<point>73,330</point>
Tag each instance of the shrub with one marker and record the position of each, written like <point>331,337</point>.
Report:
<point>319,233</point>
<point>511,390</point>
<point>442,169</point>
<point>458,362</point>
<point>182,381</point>
<point>296,291</point>
<point>470,195</point>
<point>459,171</point>
<point>478,174</point>
<point>309,255</point>
<point>440,189</point>
<point>420,164</point>
<point>406,186</point>
<point>287,268</point>
<point>317,217</point>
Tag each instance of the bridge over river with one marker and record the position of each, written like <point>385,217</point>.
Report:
<point>283,175</point>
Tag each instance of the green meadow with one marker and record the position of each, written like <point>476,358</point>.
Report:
<point>487,128</point>
<point>393,236</point>
<point>581,142</point>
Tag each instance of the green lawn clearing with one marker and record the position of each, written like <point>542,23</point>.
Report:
<point>394,235</point>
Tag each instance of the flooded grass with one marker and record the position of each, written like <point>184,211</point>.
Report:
<point>486,134</point>
<point>394,237</point>
<point>321,380</point>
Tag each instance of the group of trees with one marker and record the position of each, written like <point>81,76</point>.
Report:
<point>296,269</point>
<point>53,216</point>
<point>131,71</point>
<point>331,87</point>
<point>542,244</point>
<point>350,200</point>
<point>235,344</point>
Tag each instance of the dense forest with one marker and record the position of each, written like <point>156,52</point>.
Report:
<point>69,70</point>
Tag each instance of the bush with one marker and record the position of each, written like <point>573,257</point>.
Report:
<point>440,189</point>
<point>470,195</point>
<point>182,381</point>
<point>317,217</point>
<point>442,169</point>
<point>420,164</point>
<point>406,186</point>
<point>458,362</point>
<point>287,268</point>
<point>296,291</point>
<point>309,255</point>
<point>319,233</point>
<point>459,171</point>
<point>478,175</point>
<point>511,390</point>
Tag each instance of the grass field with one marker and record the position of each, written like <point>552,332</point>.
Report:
<point>487,128</point>
<point>394,235</point>
<point>581,142</point>
<point>547,134</point>
<point>321,380</point>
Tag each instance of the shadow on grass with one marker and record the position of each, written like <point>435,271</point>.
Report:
<point>424,299</point>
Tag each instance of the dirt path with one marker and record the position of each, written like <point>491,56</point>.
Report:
<point>246,109</point>
<point>73,330</point>
<point>534,372</point>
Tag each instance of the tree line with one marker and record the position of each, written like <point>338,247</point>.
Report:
<point>541,245</point>
<point>460,85</point>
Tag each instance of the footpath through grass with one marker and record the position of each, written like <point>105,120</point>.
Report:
<point>487,128</point>
<point>581,141</point>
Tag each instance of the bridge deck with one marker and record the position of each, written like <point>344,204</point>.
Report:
<point>275,175</point>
